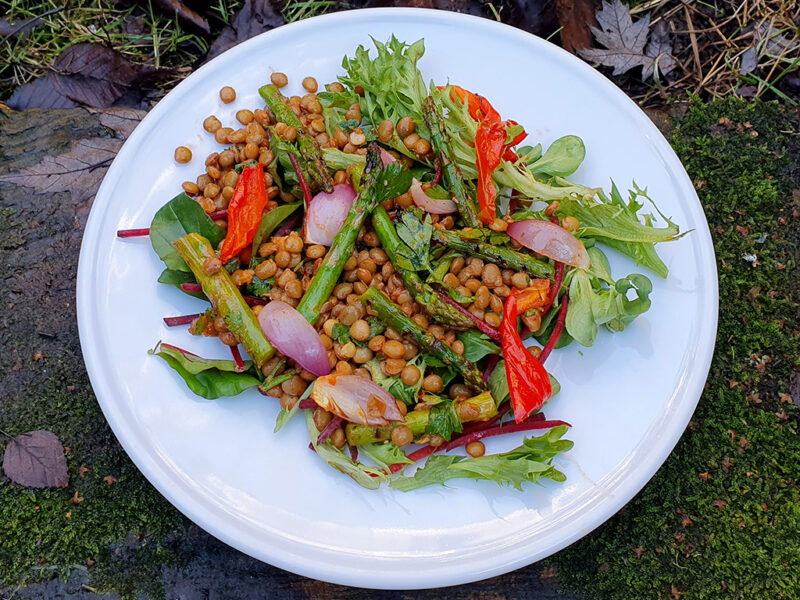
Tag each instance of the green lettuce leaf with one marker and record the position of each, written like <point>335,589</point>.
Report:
<point>528,463</point>
<point>177,218</point>
<point>206,377</point>
<point>284,416</point>
<point>498,383</point>
<point>591,305</point>
<point>384,454</point>
<point>393,86</point>
<point>368,477</point>
<point>477,345</point>
<point>443,420</point>
<point>176,278</point>
<point>617,224</point>
<point>394,384</point>
<point>562,158</point>
<point>416,234</point>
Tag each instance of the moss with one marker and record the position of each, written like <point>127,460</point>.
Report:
<point>721,518</point>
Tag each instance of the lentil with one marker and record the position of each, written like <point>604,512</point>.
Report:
<point>227,94</point>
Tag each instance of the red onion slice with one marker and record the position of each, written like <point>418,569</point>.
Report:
<point>435,206</point>
<point>327,213</point>
<point>293,336</point>
<point>356,399</point>
<point>550,240</point>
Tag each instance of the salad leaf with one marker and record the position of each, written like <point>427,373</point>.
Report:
<point>591,305</point>
<point>393,86</point>
<point>443,420</point>
<point>284,416</point>
<point>376,326</point>
<point>517,175</point>
<point>270,222</point>
<point>529,462</point>
<point>617,224</point>
<point>334,108</point>
<point>394,384</point>
<point>416,233</point>
<point>562,158</point>
<point>477,345</point>
<point>498,383</point>
<point>393,181</point>
<point>384,454</point>
<point>368,477</point>
<point>176,278</point>
<point>341,333</point>
<point>177,218</point>
<point>260,287</point>
<point>337,160</point>
<point>209,378</point>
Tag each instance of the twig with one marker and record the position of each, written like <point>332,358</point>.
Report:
<point>693,39</point>
<point>8,435</point>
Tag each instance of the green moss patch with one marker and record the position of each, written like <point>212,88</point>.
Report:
<point>721,518</point>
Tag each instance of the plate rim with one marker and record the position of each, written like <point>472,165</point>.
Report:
<point>385,575</point>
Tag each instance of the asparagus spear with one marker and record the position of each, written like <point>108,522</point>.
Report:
<point>425,296</point>
<point>225,297</point>
<point>452,174</point>
<point>308,146</point>
<point>393,316</point>
<point>505,257</point>
<point>417,421</point>
<point>342,248</point>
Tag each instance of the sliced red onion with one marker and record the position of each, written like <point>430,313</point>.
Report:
<point>356,399</point>
<point>327,213</point>
<point>551,240</point>
<point>434,206</point>
<point>293,336</point>
<point>386,158</point>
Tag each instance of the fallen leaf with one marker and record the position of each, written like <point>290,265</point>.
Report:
<point>175,7</point>
<point>703,476</point>
<point>110,480</point>
<point>674,593</point>
<point>575,17</point>
<point>36,459</point>
<point>76,499</point>
<point>719,504</point>
<point>625,42</point>
<point>772,41</point>
<point>659,48</point>
<point>603,568</point>
<point>79,171</point>
<point>639,551</point>
<point>39,93</point>
<point>255,17</point>
<point>749,61</point>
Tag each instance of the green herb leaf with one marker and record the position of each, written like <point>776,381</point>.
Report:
<point>209,378</point>
<point>376,326</point>
<point>416,233</point>
<point>391,182</point>
<point>443,420</point>
<point>177,218</point>
<point>498,383</point>
<point>562,158</point>
<point>341,333</point>
<point>477,345</point>
<point>260,287</point>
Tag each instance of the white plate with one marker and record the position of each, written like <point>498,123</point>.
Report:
<point>628,398</point>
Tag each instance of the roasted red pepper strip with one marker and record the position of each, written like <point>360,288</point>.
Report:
<point>489,143</point>
<point>244,212</point>
<point>479,107</point>
<point>528,382</point>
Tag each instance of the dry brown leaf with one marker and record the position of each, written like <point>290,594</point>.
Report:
<point>36,460</point>
<point>626,43</point>
<point>39,93</point>
<point>80,170</point>
<point>575,17</point>
<point>255,17</point>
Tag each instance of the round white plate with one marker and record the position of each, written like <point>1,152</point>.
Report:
<point>628,398</point>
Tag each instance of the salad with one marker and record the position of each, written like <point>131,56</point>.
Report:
<point>382,250</point>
